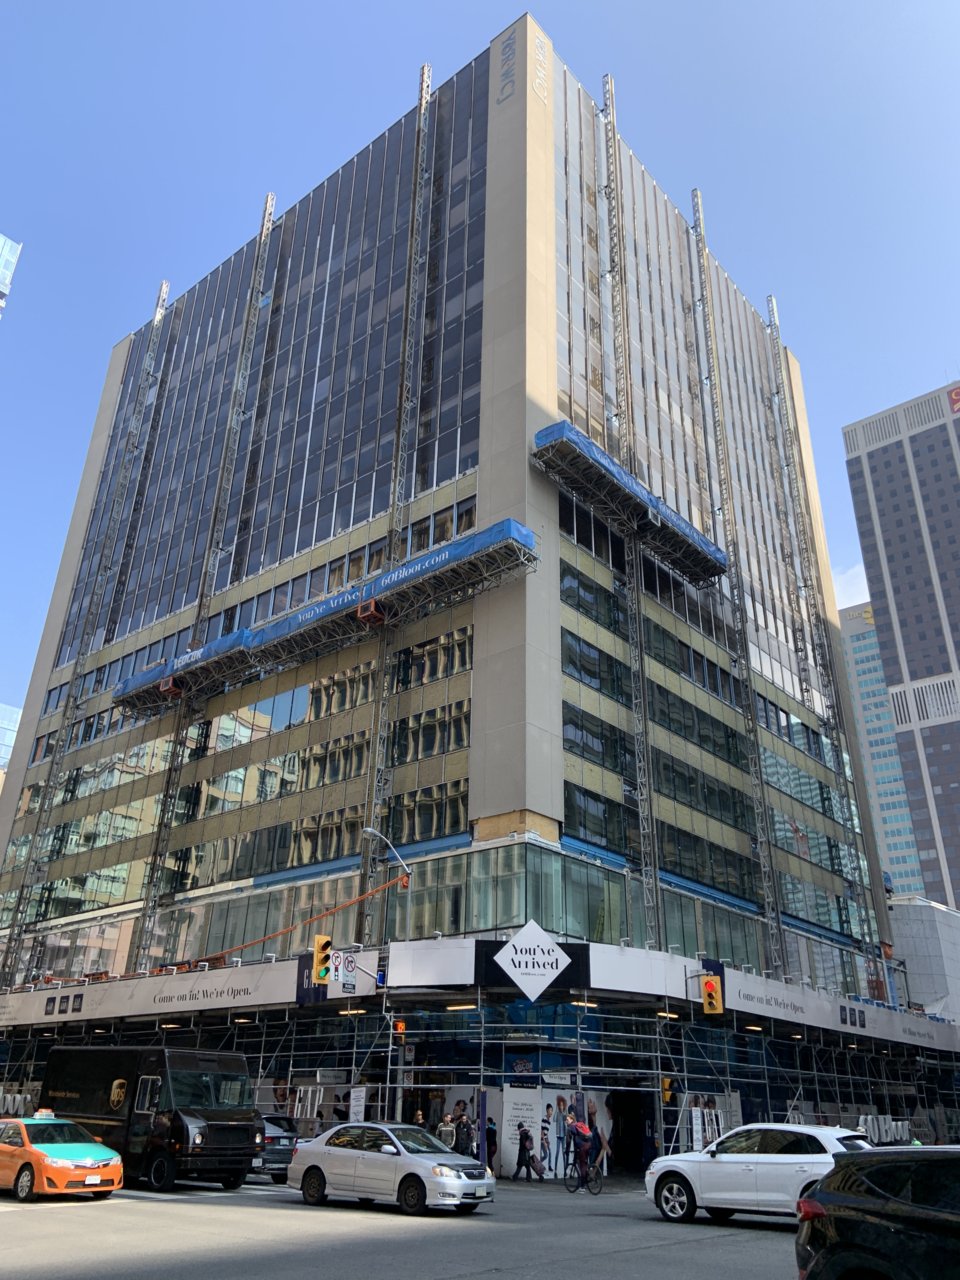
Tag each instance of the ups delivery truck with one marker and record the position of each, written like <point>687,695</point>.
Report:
<point>171,1113</point>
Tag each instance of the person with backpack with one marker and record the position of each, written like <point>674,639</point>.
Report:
<point>524,1147</point>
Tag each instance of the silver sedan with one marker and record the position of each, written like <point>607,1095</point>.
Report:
<point>394,1162</point>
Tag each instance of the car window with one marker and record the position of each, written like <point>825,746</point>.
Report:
<point>744,1143</point>
<point>58,1131</point>
<point>889,1179</point>
<point>790,1142</point>
<point>374,1139</point>
<point>286,1123</point>
<point>10,1134</point>
<point>418,1141</point>
<point>856,1142</point>
<point>350,1137</point>
<point>936,1185</point>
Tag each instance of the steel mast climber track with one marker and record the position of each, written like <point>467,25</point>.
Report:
<point>146,924</point>
<point>36,869</point>
<point>748,703</point>
<point>379,771</point>
<point>822,651</point>
<point>649,868</point>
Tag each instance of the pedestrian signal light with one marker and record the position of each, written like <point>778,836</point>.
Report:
<point>711,993</point>
<point>322,943</point>
<point>399,1026</point>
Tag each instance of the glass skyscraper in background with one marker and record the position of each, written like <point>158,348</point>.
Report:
<point>876,731</point>
<point>9,722</point>
<point>9,254</point>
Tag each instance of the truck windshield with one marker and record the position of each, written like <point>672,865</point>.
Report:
<point>213,1090</point>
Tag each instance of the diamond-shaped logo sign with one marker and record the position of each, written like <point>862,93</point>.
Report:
<point>532,959</point>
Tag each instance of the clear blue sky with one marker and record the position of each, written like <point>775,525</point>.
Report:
<point>139,141</point>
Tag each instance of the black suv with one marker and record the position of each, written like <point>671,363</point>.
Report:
<point>888,1214</point>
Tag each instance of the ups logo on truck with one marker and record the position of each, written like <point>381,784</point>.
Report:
<point>118,1091</point>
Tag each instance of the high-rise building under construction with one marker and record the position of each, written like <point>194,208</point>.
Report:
<point>467,512</point>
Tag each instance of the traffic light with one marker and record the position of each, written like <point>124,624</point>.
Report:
<point>666,1090</point>
<point>711,993</point>
<point>322,942</point>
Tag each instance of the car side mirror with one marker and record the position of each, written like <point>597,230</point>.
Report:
<point>96,1139</point>
<point>713,1153</point>
<point>388,1149</point>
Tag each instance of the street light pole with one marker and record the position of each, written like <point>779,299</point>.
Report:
<point>373,833</point>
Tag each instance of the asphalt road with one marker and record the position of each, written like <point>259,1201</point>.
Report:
<point>536,1232</point>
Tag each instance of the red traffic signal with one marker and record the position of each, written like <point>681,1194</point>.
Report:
<point>711,993</point>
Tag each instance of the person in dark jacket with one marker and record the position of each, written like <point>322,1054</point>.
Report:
<point>491,1134</point>
<point>465,1136</point>
<point>524,1147</point>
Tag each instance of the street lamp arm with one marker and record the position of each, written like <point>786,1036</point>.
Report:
<point>373,832</point>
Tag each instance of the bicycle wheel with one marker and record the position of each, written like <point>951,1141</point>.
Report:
<point>571,1177</point>
<point>594,1180</point>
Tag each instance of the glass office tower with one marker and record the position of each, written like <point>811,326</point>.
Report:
<point>9,255</point>
<point>873,713</point>
<point>492,731</point>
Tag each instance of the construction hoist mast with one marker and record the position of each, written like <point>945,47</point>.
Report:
<point>35,869</point>
<point>379,769</point>
<point>822,652</point>
<point>143,936</point>
<point>649,877</point>
<point>748,703</point>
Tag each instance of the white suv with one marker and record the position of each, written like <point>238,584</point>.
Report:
<point>759,1168</point>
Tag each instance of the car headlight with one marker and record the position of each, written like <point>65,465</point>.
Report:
<point>117,1160</point>
<point>58,1164</point>
<point>198,1139</point>
<point>444,1171</point>
<point>490,1173</point>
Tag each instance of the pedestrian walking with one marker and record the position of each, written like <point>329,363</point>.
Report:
<point>491,1133</point>
<point>418,1119</point>
<point>524,1148</point>
<point>465,1135</point>
<point>447,1131</point>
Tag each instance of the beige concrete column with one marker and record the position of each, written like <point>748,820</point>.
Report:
<point>63,590</point>
<point>516,756</point>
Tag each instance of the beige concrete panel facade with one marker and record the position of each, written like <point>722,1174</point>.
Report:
<point>63,587</point>
<point>516,758</point>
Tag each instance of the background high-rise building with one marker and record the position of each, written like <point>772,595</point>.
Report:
<point>9,723</point>
<point>904,469</point>
<point>602,691</point>
<point>9,253</point>
<point>873,716</point>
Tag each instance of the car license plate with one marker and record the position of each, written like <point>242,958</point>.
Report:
<point>481,1191</point>
<point>257,1162</point>
<point>92,1179</point>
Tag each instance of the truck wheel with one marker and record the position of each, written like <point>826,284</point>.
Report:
<point>232,1181</point>
<point>23,1185</point>
<point>161,1172</point>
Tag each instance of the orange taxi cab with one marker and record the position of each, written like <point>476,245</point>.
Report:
<point>41,1155</point>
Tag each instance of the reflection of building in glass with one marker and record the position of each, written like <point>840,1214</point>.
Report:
<point>9,253</point>
<point>876,732</point>
<point>904,470</point>
<point>561,724</point>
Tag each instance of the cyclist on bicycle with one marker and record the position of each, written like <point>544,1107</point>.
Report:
<point>582,1141</point>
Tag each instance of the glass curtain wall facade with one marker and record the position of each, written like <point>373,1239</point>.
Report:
<point>275,787</point>
<point>886,791</point>
<point>9,255</point>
